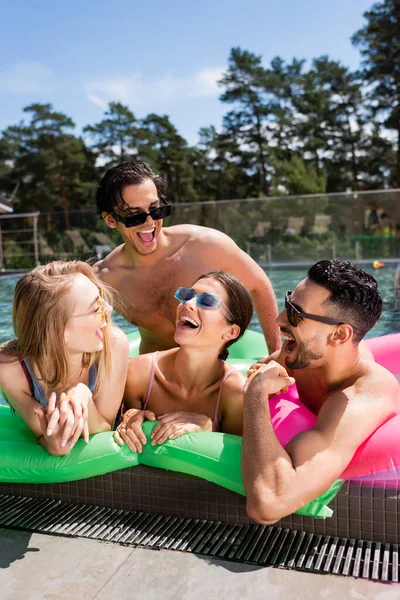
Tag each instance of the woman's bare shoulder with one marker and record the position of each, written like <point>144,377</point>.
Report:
<point>119,338</point>
<point>12,377</point>
<point>235,382</point>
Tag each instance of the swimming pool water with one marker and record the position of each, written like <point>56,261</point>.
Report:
<point>281,279</point>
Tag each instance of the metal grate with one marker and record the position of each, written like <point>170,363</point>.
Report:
<point>254,544</point>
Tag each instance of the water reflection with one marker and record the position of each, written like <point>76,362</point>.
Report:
<point>281,279</point>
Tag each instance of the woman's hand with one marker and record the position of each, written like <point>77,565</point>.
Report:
<point>129,431</point>
<point>173,425</point>
<point>79,398</point>
<point>267,380</point>
<point>57,425</point>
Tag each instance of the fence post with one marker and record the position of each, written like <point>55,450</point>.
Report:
<point>35,240</point>
<point>1,249</point>
<point>358,250</point>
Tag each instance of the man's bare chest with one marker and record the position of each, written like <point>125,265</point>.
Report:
<point>148,295</point>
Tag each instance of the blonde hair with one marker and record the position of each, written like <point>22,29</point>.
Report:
<point>40,315</point>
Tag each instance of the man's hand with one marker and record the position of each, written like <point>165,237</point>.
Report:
<point>173,425</point>
<point>129,431</point>
<point>267,380</point>
<point>263,361</point>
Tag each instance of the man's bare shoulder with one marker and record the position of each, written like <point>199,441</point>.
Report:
<point>372,397</point>
<point>196,234</point>
<point>110,264</point>
<point>375,381</point>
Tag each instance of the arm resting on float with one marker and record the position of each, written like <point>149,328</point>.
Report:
<point>278,481</point>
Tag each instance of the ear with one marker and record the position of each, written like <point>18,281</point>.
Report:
<point>343,333</point>
<point>232,332</point>
<point>109,220</point>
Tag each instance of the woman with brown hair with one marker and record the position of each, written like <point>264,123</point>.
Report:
<point>191,388</point>
<point>64,373</point>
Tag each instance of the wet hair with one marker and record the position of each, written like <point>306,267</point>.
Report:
<point>239,304</point>
<point>354,296</point>
<point>110,189</point>
<point>40,314</point>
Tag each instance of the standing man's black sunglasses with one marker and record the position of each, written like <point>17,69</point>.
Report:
<point>295,316</point>
<point>160,212</point>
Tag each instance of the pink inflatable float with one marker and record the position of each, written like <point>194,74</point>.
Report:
<point>378,458</point>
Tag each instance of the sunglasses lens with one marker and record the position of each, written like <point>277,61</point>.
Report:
<point>135,220</point>
<point>184,294</point>
<point>292,316</point>
<point>208,301</point>
<point>161,212</point>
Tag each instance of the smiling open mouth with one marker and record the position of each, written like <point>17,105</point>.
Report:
<point>146,237</point>
<point>189,323</point>
<point>290,346</point>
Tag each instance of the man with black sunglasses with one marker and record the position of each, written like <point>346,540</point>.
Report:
<point>323,324</point>
<point>152,262</point>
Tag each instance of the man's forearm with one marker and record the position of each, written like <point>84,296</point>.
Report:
<point>267,309</point>
<point>266,466</point>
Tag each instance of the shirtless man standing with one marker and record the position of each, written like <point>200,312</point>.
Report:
<point>154,261</point>
<point>323,323</point>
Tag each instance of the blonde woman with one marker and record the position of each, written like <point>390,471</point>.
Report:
<point>65,372</point>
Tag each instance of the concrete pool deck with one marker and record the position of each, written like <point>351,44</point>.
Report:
<point>38,567</point>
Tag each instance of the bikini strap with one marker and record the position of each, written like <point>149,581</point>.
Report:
<point>92,377</point>
<point>28,377</point>
<point>38,392</point>
<point>215,417</point>
<point>153,370</point>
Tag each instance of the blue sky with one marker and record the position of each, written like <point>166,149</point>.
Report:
<point>154,55</point>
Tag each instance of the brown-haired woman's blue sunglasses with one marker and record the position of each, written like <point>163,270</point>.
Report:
<point>295,316</point>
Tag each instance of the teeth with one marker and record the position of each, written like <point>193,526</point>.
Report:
<point>286,336</point>
<point>189,320</point>
<point>148,231</point>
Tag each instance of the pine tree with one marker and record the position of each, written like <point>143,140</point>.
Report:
<point>379,43</point>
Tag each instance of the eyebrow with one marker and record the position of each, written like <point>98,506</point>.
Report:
<point>140,208</point>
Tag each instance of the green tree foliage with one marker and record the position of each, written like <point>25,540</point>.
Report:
<point>167,152</point>
<point>290,128</point>
<point>379,43</point>
<point>244,88</point>
<point>54,168</point>
<point>115,138</point>
<point>297,177</point>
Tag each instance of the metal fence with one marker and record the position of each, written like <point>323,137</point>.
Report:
<point>274,231</point>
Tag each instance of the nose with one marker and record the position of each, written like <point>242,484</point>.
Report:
<point>192,302</point>
<point>149,220</point>
<point>281,319</point>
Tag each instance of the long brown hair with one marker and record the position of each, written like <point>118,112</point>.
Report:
<point>40,315</point>
<point>239,304</point>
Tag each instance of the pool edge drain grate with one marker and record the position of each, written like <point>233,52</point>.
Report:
<point>260,545</point>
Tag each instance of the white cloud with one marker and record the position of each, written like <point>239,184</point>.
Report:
<point>25,78</point>
<point>137,90</point>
